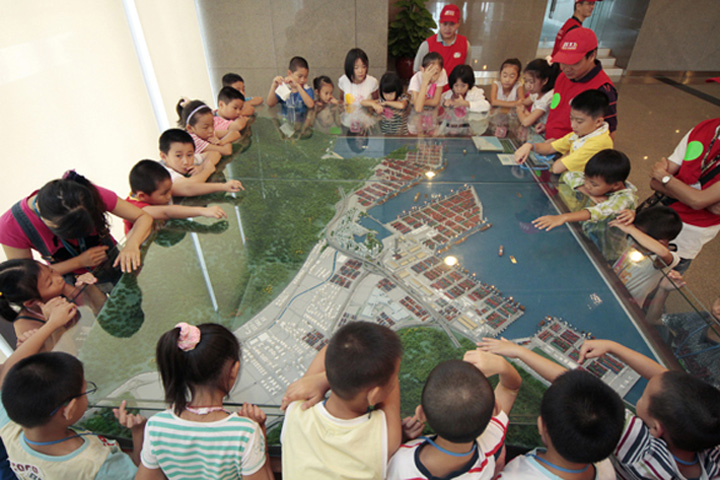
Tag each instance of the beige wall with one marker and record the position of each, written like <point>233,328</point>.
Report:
<point>257,39</point>
<point>678,35</point>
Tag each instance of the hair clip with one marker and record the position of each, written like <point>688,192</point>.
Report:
<point>189,336</point>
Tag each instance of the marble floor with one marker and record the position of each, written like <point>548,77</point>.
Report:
<point>653,118</point>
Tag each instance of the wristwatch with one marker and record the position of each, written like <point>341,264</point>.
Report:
<point>665,179</point>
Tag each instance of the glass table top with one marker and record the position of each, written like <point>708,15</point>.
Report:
<point>426,234</point>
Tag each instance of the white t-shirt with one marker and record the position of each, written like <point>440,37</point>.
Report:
<point>357,92</point>
<point>416,82</point>
<point>510,97</point>
<point>475,96</point>
<point>691,238</point>
<point>542,103</point>
<point>527,467</point>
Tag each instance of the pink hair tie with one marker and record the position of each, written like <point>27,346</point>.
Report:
<point>189,336</point>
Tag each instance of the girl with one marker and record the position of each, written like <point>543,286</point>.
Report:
<point>464,96</point>
<point>539,79</point>
<point>324,92</point>
<point>26,287</point>
<point>201,364</point>
<point>356,85</point>
<point>507,92</point>
<point>197,118</point>
<point>391,106</point>
<point>66,222</point>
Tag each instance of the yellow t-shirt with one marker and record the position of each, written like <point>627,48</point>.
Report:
<point>577,151</point>
<point>318,446</point>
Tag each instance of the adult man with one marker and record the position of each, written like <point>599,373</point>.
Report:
<point>580,71</point>
<point>583,9</point>
<point>451,45</point>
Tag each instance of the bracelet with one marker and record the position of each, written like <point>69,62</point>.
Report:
<point>532,147</point>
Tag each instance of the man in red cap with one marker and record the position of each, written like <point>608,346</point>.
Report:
<point>580,71</point>
<point>451,45</point>
<point>583,9</point>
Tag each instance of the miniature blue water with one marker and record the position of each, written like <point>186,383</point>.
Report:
<point>553,275</point>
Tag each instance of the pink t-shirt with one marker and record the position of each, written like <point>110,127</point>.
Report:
<point>220,123</point>
<point>200,144</point>
<point>12,235</point>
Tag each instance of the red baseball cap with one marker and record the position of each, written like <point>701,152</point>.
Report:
<point>450,13</point>
<point>575,45</point>
<point>714,79</point>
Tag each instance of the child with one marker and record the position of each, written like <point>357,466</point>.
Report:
<point>590,135</point>
<point>199,367</point>
<point>80,235</point>
<point>228,115</point>
<point>469,420</point>
<point>43,395</point>
<point>604,181</point>
<point>197,118</point>
<point>152,191</point>
<point>507,92</point>
<point>426,85</point>
<point>236,81</point>
<point>177,155</point>
<point>301,96</point>
<point>341,437</point>
<point>356,85</point>
<point>463,95</point>
<point>324,92</point>
<point>580,421</point>
<point>391,106</point>
<point>651,231</point>
<point>676,433</point>
<point>539,79</point>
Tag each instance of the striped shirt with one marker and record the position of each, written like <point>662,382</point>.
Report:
<point>200,144</point>
<point>224,449</point>
<point>639,455</point>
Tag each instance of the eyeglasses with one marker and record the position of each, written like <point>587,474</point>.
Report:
<point>89,391</point>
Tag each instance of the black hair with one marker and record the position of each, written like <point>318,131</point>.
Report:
<point>229,78</point>
<point>432,57</point>
<point>207,364</point>
<point>228,94</point>
<point>318,82</point>
<point>389,83</point>
<point>593,103</point>
<point>584,417</point>
<point>350,59</point>
<point>591,52</point>
<point>173,135</point>
<point>74,206</point>
<point>458,401</point>
<point>660,222</point>
<point>361,355</point>
<point>37,385</point>
<point>18,284</point>
<point>189,111</point>
<point>514,62</point>
<point>610,165</point>
<point>146,176</point>
<point>689,411</point>
<point>464,73</point>
<point>540,69</point>
<point>298,62</point>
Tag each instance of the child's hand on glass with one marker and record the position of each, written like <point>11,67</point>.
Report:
<point>310,388</point>
<point>594,349</point>
<point>502,346</point>
<point>625,217</point>
<point>522,153</point>
<point>214,212</point>
<point>233,186</point>
<point>548,222</point>
<point>488,363</point>
<point>128,259</point>
<point>85,279</point>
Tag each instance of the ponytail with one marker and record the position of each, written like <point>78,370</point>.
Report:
<point>18,284</point>
<point>188,111</point>
<point>542,70</point>
<point>204,363</point>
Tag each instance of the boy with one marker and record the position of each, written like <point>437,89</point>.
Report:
<point>643,263</point>
<point>236,81</point>
<point>470,421</point>
<point>580,421</point>
<point>426,86</point>
<point>151,190</point>
<point>604,181</point>
<point>228,115</point>
<point>589,135</point>
<point>341,437</point>
<point>43,395</point>
<point>301,96</point>
<point>676,432</point>
<point>177,155</point>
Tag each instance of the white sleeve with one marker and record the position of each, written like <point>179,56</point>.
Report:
<point>493,437</point>
<point>415,83</point>
<point>543,102</point>
<point>253,456</point>
<point>679,154</point>
<point>373,84</point>
<point>476,98</point>
<point>344,83</point>
<point>443,79</point>
<point>146,456</point>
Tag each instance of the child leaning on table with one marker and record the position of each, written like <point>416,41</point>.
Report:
<point>469,419</point>
<point>604,181</point>
<point>43,395</point>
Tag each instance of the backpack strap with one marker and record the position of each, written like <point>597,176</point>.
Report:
<point>30,231</point>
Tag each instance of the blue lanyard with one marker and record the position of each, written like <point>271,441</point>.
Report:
<point>448,452</point>
<point>68,247</point>
<point>560,469</point>
<point>53,442</point>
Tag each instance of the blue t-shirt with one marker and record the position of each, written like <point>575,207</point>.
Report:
<point>295,101</point>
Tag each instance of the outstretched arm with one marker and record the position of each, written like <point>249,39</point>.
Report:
<point>509,381</point>
<point>544,367</point>
<point>645,240</point>
<point>311,387</point>
<point>643,365</point>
